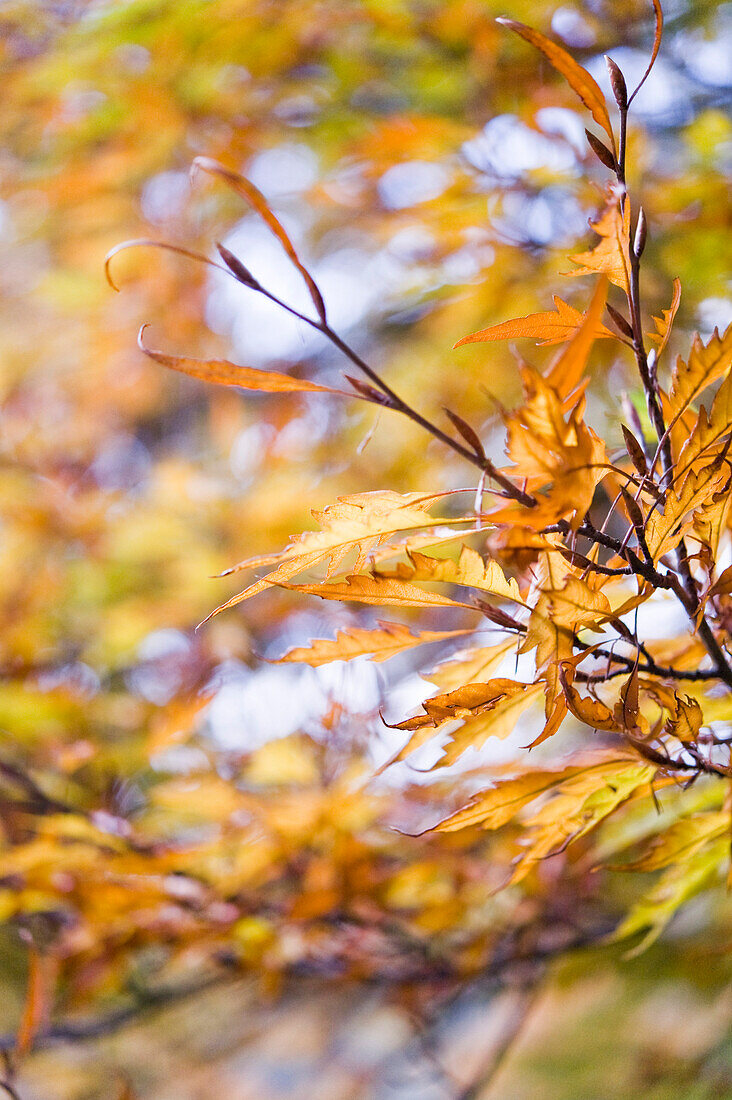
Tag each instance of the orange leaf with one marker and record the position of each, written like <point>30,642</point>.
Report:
<point>590,711</point>
<point>223,373</point>
<point>578,78</point>
<point>41,981</point>
<point>567,370</point>
<point>666,320</point>
<point>612,254</point>
<point>146,242</point>
<point>548,328</point>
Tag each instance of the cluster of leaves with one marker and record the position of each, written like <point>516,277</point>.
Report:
<point>282,860</point>
<point>582,541</point>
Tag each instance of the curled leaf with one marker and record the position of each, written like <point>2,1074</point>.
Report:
<point>146,242</point>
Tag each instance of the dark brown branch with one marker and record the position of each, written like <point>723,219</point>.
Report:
<point>396,403</point>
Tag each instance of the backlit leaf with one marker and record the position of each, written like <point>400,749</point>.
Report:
<point>612,255</point>
<point>547,328</point>
<point>381,643</point>
<point>578,78</point>
<point>665,322</point>
<point>378,591</point>
<point>253,196</point>
<point>223,373</point>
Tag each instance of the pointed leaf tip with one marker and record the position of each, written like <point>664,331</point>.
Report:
<point>579,80</point>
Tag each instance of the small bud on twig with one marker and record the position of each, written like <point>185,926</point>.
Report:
<point>631,415</point>
<point>635,451</point>
<point>620,321</point>
<point>634,511</point>
<point>601,151</point>
<point>468,434</point>
<point>641,232</point>
<point>236,267</point>
<point>370,393</point>
<point>617,83</point>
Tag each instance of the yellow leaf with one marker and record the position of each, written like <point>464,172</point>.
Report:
<point>491,710</point>
<point>664,323</point>
<point>681,840</point>
<point>665,530</point>
<point>470,570</point>
<point>360,588</point>
<point>356,524</point>
<point>496,807</point>
<point>706,364</point>
<point>382,643</point>
<point>469,666</point>
<point>687,721</point>
<point>499,721</point>
<point>467,700</point>
<point>579,805</point>
<point>576,604</point>
<point>612,254</point>
<point>682,881</point>
<point>566,459</point>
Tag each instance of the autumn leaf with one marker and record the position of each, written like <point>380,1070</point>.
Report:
<point>666,528</point>
<point>582,784</point>
<point>706,364</point>
<point>664,323</point>
<point>591,711</point>
<point>658,11</point>
<point>687,720</point>
<point>223,373</point>
<point>254,197</point>
<point>488,709</point>
<point>381,643</point>
<point>577,806</point>
<point>499,722</point>
<point>376,590</point>
<point>469,570</point>
<point>702,864</point>
<point>470,665</point>
<point>578,78</point>
<point>612,255</point>
<point>547,328</point>
<point>566,372</point>
<point>562,456</point>
<point>356,525</point>
<point>42,973</point>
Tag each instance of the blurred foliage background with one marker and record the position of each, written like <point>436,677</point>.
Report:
<point>177,812</point>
